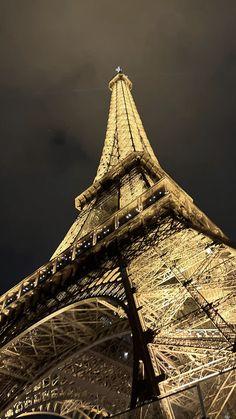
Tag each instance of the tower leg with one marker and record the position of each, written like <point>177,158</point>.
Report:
<point>145,385</point>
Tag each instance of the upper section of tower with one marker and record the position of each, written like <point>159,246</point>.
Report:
<point>125,132</point>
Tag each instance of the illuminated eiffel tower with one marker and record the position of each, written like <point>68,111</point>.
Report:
<point>134,315</point>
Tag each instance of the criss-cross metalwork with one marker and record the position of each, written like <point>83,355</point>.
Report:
<point>134,315</point>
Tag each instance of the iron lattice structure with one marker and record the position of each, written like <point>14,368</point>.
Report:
<point>135,311</point>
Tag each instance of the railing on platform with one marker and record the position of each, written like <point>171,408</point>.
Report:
<point>115,222</point>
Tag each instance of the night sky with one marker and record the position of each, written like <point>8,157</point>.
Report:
<point>56,58</point>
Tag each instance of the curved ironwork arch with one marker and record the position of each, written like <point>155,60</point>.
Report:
<point>93,334</point>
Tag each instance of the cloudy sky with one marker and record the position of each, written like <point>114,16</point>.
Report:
<point>56,58</point>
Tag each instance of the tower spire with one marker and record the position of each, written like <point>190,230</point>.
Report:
<point>125,132</point>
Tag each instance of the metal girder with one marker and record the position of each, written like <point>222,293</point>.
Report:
<point>187,345</point>
<point>73,332</point>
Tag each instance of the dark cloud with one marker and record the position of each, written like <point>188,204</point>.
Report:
<point>56,60</point>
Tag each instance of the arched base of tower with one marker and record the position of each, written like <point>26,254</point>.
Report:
<point>75,361</point>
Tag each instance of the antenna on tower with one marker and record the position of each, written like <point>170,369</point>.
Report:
<point>119,69</point>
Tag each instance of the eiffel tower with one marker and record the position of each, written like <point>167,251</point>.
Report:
<point>134,314</point>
